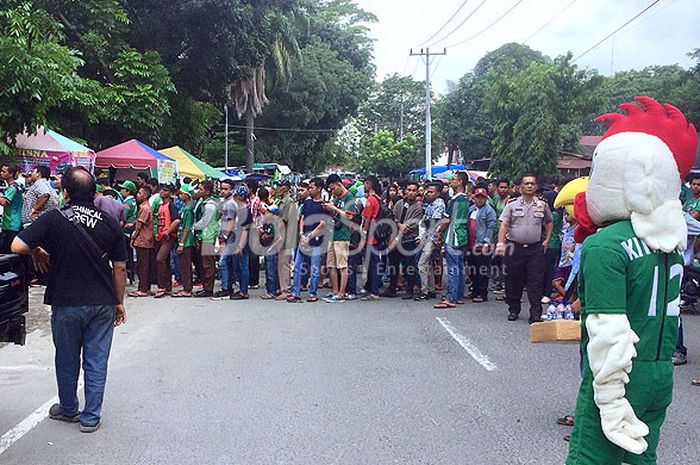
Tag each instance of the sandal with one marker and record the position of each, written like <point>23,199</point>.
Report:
<point>292,299</point>
<point>268,296</point>
<point>370,297</point>
<point>160,294</point>
<point>444,304</point>
<point>566,420</point>
<point>460,302</point>
<point>183,294</point>
<point>478,300</point>
<point>312,298</point>
<point>695,382</point>
<point>138,294</point>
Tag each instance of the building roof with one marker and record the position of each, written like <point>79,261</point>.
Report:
<point>573,164</point>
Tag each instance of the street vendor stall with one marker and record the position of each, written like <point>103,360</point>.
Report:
<point>132,156</point>
<point>51,149</point>
<point>190,166</point>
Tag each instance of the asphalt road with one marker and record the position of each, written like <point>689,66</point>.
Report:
<point>258,382</point>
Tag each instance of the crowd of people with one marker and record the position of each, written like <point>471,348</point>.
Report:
<point>443,240</point>
<point>407,238</point>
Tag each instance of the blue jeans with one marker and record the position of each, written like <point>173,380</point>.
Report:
<point>680,347</point>
<point>375,270</point>
<point>354,261</point>
<point>301,265</point>
<point>271,284</point>
<point>456,280</point>
<point>241,269</point>
<point>226,271</point>
<point>175,264</point>
<point>88,329</point>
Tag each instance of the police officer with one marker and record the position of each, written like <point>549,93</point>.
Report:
<point>520,243</point>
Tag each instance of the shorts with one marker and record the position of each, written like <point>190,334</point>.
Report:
<point>338,253</point>
<point>561,273</point>
<point>649,392</point>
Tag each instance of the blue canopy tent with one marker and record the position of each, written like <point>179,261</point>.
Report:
<point>437,169</point>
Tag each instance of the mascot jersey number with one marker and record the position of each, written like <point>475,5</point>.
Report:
<point>629,283</point>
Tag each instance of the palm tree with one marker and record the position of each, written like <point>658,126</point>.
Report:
<point>248,91</point>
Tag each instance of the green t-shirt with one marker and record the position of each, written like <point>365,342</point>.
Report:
<point>341,227</point>
<point>12,212</point>
<point>691,205</point>
<point>157,200</point>
<point>557,225</point>
<point>620,274</point>
<point>458,213</point>
<point>131,210</point>
<point>186,222</point>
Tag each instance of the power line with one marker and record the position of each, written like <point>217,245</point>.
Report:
<point>550,21</point>
<point>460,24</point>
<point>487,27</point>
<point>615,31</point>
<point>445,25</point>
<point>262,128</point>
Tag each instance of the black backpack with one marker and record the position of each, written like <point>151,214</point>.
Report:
<point>385,222</point>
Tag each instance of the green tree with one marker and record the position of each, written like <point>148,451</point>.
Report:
<point>537,115</point>
<point>461,113</point>
<point>38,72</point>
<point>383,155</point>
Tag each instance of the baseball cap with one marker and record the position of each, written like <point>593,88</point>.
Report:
<point>128,185</point>
<point>187,189</point>
<point>241,191</point>
<point>481,191</point>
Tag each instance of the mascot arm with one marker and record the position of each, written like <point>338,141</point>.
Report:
<point>610,353</point>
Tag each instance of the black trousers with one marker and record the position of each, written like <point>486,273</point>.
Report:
<point>403,261</point>
<point>524,266</point>
<point>253,269</point>
<point>6,238</point>
<point>479,264</point>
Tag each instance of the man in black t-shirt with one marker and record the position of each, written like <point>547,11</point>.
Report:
<point>86,294</point>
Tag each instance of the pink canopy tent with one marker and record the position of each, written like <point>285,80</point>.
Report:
<point>51,149</point>
<point>132,156</point>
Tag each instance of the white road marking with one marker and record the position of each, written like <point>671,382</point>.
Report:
<point>26,368</point>
<point>467,345</point>
<point>26,425</point>
<point>29,423</point>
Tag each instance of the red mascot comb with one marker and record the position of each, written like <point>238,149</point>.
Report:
<point>663,121</point>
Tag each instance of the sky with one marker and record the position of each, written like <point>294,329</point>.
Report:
<point>662,35</point>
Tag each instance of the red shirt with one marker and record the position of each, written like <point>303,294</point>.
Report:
<point>370,212</point>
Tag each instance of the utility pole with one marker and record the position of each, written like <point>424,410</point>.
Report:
<point>427,54</point>
<point>226,138</point>
<point>401,123</point>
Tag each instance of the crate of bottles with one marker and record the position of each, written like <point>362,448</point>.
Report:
<point>558,325</point>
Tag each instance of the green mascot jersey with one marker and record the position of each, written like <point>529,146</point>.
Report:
<point>620,274</point>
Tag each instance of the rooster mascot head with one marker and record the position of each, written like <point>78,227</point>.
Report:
<point>636,174</point>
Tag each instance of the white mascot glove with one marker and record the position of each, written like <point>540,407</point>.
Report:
<point>610,353</point>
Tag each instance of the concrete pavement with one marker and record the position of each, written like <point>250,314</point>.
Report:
<point>258,382</point>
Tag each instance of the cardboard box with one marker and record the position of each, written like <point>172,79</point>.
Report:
<point>556,331</point>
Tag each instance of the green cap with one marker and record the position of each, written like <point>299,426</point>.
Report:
<point>128,185</point>
<point>187,189</point>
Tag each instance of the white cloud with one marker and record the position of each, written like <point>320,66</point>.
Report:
<point>663,35</point>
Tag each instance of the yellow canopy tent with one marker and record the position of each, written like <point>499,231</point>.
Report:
<point>190,166</point>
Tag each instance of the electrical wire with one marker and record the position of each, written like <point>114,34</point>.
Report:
<point>550,21</point>
<point>445,25</point>
<point>515,5</point>
<point>460,24</point>
<point>615,31</point>
<point>262,128</point>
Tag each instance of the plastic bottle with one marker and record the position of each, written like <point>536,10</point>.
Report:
<point>561,310</point>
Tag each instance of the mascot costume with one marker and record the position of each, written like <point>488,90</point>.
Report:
<point>629,282</point>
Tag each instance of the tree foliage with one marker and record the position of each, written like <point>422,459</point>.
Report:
<point>383,155</point>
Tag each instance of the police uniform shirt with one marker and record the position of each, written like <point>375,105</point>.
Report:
<point>525,220</point>
<point>73,278</point>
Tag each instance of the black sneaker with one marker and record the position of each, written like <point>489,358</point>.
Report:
<point>239,296</point>
<point>220,295</point>
<point>512,316</point>
<point>422,296</point>
<point>432,295</point>
<point>679,359</point>
<point>56,414</point>
<point>89,428</point>
<point>388,293</point>
<point>407,296</point>
<point>203,293</point>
